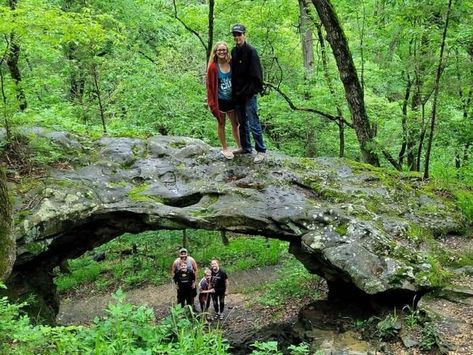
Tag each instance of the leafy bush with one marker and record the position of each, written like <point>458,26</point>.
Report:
<point>388,327</point>
<point>271,347</point>
<point>294,282</point>
<point>265,348</point>
<point>126,329</point>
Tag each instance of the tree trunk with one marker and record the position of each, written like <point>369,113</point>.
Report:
<point>307,40</point>
<point>12,63</point>
<point>99,97</point>
<point>328,79</point>
<point>185,241</point>
<point>4,102</point>
<point>348,75</point>
<point>405,129</point>
<point>223,235</point>
<point>436,93</point>
<point>210,38</point>
<point>7,240</point>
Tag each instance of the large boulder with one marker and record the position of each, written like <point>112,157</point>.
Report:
<point>365,228</point>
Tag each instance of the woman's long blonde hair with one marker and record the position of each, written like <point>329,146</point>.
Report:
<point>213,56</point>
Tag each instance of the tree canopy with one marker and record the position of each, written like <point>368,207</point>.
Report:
<point>137,68</point>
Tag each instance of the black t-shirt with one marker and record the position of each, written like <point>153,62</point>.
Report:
<point>218,280</point>
<point>184,279</point>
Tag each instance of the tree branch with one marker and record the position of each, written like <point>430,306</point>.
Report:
<point>336,119</point>
<point>187,27</point>
<point>148,57</point>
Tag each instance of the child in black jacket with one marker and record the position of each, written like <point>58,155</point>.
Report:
<point>185,284</point>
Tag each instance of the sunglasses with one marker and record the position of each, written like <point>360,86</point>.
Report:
<point>237,34</point>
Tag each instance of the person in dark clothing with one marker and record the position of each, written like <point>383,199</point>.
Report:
<point>247,82</point>
<point>185,283</point>
<point>219,282</point>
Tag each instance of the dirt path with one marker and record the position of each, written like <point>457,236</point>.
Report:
<point>242,315</point>
<point>246,319</point>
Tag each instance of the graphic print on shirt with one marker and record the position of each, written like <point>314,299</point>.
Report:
<point>224,85</point>
<point>184,278</point>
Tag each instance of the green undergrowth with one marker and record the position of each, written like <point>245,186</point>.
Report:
<point>126,329</point>
<point>132,260</point>
<point>293,284</point>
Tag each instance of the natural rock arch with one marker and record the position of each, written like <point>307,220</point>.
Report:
<point>357,226</point>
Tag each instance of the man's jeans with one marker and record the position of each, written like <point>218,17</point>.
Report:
<point>249,121</point>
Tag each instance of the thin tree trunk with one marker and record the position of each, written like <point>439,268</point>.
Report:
<point>436,93</point>
<point>223,235</point>
<point>99,98</point>
<point>362,36</point>
<point>307,40</point>
<point>421,138</point>
<point>7,240</point>
<point>348,75</point>
<point>328,79</point>
<point>4,102</point>
<point>185,241</point>
<point>12,63</point>
<point>210,38</point>
<point>405,129</point>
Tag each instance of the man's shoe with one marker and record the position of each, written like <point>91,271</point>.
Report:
<point>239,151</point>
<point>259,158</point>
<point>227,154</point>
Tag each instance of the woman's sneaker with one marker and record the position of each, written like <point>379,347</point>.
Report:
<point>227,154</point>
<point>217,316</point>
<point>221,317</point>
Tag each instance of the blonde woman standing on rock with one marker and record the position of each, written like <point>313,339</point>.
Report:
<point>219,95</point>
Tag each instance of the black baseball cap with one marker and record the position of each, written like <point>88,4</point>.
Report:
<point>239,28</point>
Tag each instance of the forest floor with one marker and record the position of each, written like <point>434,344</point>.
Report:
<point>247,320</point>
<point>244,317</point>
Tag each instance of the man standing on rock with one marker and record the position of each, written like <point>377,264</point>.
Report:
<point>247,82</point>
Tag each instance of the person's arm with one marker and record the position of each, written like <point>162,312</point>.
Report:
<point>211,84</point>
<point>175,278</point>
<point>226,286</point>
<point>194,266</point>
<point>173,269</point>
<point>255,73</point>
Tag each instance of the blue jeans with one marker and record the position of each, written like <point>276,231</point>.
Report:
<point>249,121</point>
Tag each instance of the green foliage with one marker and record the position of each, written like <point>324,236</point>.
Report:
<point>465,202</point>
<point>265,348</point>
<point>412,316</point>
<point>85,271</point>
<point>428,337</point>
<point>156,252</point>
<point>147,69</point>
<point>126,329</point>
<point>293,283</point>
<point>301,349</point>
<point>388,328</point>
